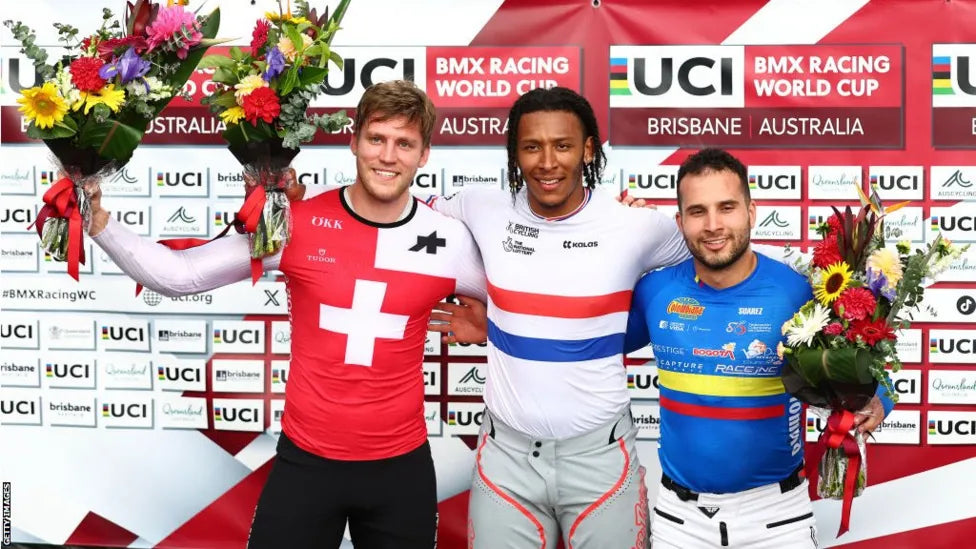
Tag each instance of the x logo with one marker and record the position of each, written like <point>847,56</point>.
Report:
<point>272,296</point>
<point>430,242</point>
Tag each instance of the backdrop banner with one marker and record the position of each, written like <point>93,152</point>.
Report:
<point>150,421</point>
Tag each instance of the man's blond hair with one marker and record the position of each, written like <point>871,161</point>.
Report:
<point>393,99</point>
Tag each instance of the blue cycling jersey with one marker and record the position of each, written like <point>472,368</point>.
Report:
<point>727,423</point>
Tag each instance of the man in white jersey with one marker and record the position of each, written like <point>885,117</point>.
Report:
<point>557,451</point>
<point>556,454</point>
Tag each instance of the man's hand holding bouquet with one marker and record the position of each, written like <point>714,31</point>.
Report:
<point>839,344</point>
<point>263,98</point>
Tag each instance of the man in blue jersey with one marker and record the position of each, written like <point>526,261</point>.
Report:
<point>731,445</point>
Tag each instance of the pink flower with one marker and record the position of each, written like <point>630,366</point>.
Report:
<point>834,328</point>
<point>175,29</point>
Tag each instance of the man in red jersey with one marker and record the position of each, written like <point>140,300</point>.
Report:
<point>363,268</point>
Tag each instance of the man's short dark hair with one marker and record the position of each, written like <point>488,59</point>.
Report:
<point>713,160</point>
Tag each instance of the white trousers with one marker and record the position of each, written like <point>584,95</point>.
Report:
<point>760,518</point>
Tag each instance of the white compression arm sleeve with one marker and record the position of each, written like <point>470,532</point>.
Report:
<point>179,272</point>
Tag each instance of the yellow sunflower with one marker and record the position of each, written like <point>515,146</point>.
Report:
<point>108,96</point>
<point>43,106</point>
<point>834,280</point>
<point>272,16</point>
<point>232,115</point>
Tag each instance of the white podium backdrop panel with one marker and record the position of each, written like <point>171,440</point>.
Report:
<point>151,421</point>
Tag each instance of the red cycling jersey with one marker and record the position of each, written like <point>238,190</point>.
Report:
<point>360,296</point>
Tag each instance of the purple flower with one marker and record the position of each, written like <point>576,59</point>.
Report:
<point>128,67</point>
<point>878,284</point>
<point>276,63</point>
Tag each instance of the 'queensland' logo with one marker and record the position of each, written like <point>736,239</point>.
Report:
<point>686,308</point>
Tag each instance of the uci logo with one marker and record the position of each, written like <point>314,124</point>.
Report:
<point>17,215</point>
<point>130,217</point>
<point>223,218</point>
<point>905,386</point>
<point>19,407</point>
<point>655,181</point>
<point>176,179</point>
<point>642,381</point>
<point>175,373</point>
<point>954,427</point>
<point>138,411</point>
<point>963,79</point>
<point>712,76</point>
<point>768,182</point>
<point>14,78</point>
<point>77,371</point>
<point>243,415</point>
<point>20,331</point>
<point>279,376</point>
<point>248,337</point>
<point>118,333</point>
<point>308,178</point>
<point>464,418</point>
<point>961,346</point>
<point>370,72</point>
<point>891,182</point>
<point>953,222</point>
<point>689,71</point>
<point>425,181</point>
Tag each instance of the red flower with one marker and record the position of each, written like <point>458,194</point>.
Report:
<point>835,225</point>
<point>855,304</point>
<point>825,253</point>
<point>834,328</point>
<point>107,48</point>
<point>84,74</point>
<point>261,103</point>
<point>871,331</point>
<point>259,36</point>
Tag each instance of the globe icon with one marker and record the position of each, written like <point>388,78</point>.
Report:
<point>151,298</point>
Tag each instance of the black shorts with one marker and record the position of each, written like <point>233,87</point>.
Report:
<point>389,503</point>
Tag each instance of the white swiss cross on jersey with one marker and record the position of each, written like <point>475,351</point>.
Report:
<point>361,295</point>
<point>363,323</point>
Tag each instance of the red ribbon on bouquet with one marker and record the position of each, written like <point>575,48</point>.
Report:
<point>838,435</point>
<point>61,201</point>
<point>249,215</point>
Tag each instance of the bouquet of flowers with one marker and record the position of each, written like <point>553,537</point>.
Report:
<point>263,101</point>
<point>95,103</point>
<point>839,343</point>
